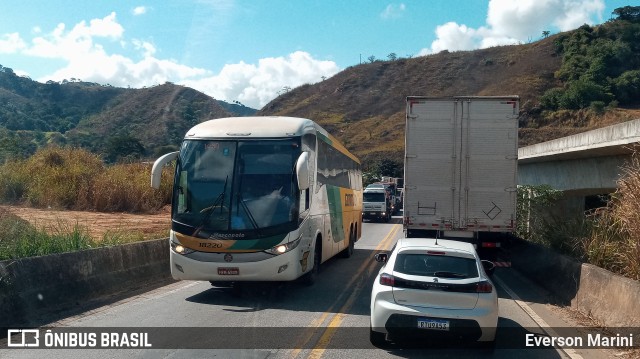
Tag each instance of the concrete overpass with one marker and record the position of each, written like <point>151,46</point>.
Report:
<point>582,165</point>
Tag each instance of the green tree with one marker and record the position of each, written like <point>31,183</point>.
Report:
<point>627,87</point>
<point>123,147</point>
<point>579,94</point>
<point>551,99</point>
<point>631,13</point>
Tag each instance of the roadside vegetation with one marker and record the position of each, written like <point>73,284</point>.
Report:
<point>608,237</point>
<point>66,178</point>
<point>20,239</point>
<point>74,179</point>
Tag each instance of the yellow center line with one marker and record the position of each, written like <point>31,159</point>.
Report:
<point>337,319</point>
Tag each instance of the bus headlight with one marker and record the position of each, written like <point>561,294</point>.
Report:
<point>180,249</point>
<point>284,248</point>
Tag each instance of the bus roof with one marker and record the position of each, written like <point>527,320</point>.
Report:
<point>252,126</point>
<point>262,126</point>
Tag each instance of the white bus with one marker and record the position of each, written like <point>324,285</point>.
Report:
<point>261,199</point>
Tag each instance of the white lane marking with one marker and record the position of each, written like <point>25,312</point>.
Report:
<point>536,318</point>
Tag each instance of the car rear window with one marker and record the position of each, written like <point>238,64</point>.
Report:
<point>436,265</point>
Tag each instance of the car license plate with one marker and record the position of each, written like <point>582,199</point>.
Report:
<point>433,324</point>
<point>372,213</point>
<point>228,271</point>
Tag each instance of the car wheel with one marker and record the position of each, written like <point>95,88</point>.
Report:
<point>377,339</point>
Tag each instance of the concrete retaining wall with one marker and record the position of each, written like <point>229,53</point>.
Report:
<point>35,286</point>
<point>609,298</point>
<point>32,287</point>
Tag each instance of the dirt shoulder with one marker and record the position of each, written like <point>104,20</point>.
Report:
<point>96,223</point>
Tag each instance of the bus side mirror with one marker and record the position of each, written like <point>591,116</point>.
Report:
<point>156,170</point>
<point>302,171</point>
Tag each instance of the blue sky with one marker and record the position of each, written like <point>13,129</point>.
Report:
<point>248,51</point>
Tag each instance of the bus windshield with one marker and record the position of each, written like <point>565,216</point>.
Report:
<point>228,186</point>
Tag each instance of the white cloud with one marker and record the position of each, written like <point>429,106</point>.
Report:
<point>393,11</point>
<point>256,85</point>
<point>148,49</point>
<point>453,37</point>
<point>11,43</point>
<point>512,22</point>
<point>83,49</point>
<point>67,45</point>
<point>139,10</point>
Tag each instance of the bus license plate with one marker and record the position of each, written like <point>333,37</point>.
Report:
<point>229,271</point>
<point>433,324</point>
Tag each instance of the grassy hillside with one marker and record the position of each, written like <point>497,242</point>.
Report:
<point>364,105</point>
<point>90,115</point>
<point>156,116</point>
<point>568,83</point>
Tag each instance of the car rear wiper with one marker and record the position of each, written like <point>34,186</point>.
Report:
<point>208,211</point>
<point>446,274</point>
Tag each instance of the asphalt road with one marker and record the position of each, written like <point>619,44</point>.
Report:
<point>327,320</point>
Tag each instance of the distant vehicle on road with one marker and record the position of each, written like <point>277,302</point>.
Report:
<point>376,203</point>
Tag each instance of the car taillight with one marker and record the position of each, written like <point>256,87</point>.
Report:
<point>484,287</point>
<point>387,279</point>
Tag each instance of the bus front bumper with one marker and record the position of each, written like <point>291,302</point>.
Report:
<point>285,267</point>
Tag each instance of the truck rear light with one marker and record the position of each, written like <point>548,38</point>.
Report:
<point>484,287</point>
<point>490,245</point>
<point>387,279</point>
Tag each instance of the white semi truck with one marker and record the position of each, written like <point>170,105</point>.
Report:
<point>376,203</point>
<point>460,173</point>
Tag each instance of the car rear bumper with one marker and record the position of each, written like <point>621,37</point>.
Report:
<point>400,322</point>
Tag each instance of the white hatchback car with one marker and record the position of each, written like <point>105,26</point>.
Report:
<point>435,291</point>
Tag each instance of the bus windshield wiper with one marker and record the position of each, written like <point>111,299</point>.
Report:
<point>248,212</point>
<point>208,211</point>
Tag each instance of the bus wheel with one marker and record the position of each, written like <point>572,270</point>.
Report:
<point>348,252</point>
<point>312,275</point>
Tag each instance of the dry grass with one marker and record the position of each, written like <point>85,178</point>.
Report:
<point>76,179</point>
<point>625,216</point>
<point>610,237</point>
